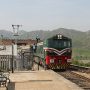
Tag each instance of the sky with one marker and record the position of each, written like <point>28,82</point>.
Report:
<point>45,14</point>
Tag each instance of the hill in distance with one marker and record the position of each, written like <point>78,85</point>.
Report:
<point>79,38</point>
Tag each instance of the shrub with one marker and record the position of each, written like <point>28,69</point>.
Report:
<point>76,62</point>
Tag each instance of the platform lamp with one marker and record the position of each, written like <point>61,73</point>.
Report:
<point>15,33</point>
<point>2,43</point>
<point>37,38</point>
<point>2,39</point>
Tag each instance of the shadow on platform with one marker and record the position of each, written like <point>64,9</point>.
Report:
<point>32,71</point>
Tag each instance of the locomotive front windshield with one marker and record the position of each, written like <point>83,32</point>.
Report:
<point>59,43</point>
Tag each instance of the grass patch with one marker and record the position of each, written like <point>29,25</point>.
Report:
<point>77,62</point>
<point>81,54</point>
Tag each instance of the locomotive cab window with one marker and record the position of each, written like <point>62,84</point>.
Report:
<point>66,44</point>
<point>69,44</point>
<point>59,43</point>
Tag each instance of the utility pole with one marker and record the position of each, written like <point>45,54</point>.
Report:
<point>15,33</point>
<point>37,40</point>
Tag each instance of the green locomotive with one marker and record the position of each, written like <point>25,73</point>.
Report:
<point>54,52</point>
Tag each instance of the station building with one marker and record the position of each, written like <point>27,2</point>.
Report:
<point>6,51</point>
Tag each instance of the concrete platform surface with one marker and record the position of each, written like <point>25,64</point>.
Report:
<point>40,80</point>
<point>2,88</point>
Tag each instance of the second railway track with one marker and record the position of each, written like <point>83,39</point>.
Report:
<point>76,78</point>
<point>80,68</point>
<point>80,80</point>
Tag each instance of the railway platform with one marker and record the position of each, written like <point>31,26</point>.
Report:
<point>39,80</point>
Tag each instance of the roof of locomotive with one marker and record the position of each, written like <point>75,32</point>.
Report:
<point>59,36</point>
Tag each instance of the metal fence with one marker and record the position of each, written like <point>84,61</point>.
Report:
<point>26,59</point>
<point>22,61</point>
<point>5,62</point>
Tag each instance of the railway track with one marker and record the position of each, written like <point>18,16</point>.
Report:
<point>80,80</point>
<point>80,68</point>
<point>73,75</point>
<point>76,78</point>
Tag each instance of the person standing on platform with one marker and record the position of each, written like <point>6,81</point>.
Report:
<point>34,48</point>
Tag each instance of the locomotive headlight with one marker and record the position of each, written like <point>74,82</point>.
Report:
<point>69,60</point>
<point>59,36</point>
<point>51,60</point>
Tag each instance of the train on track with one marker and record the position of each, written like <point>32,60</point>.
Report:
<point>54,52</point>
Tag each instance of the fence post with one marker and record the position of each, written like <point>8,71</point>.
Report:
<point>12,59</point>
<point>38,63</point>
